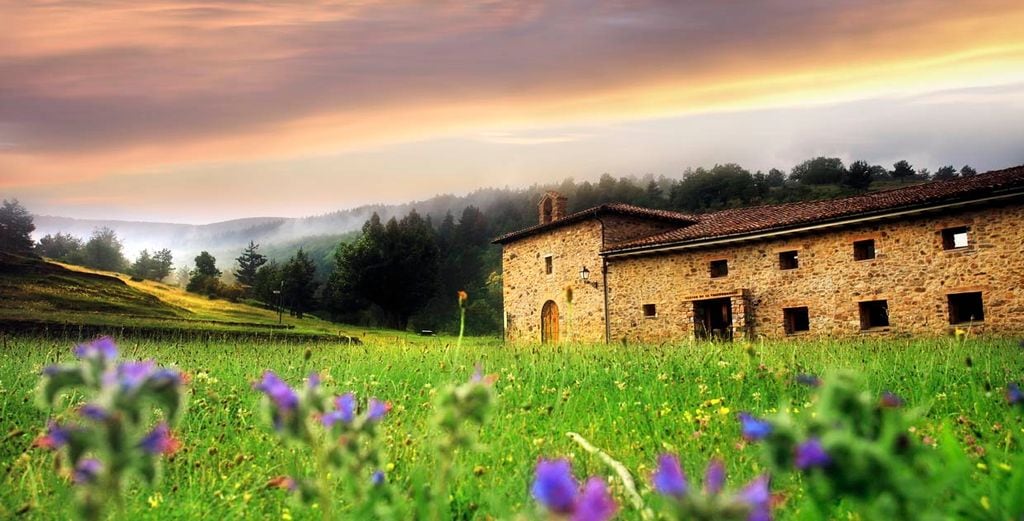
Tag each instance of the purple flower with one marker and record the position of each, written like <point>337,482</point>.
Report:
<point>55,437</point>
<point>283,396</point>
<point>754,429</point>
<point>376,410</point>
<point>714,477</point>
<point>132,374</point>
<point>51,370</point>
<point>757,496</point>
<point>668,478</point>
<point>594,503</point>
<point>345,410</point>
<point>94,412</point>
<point>811,454</point>
<point>554,487</point>
<point>167,376</point>
<point>377,478</point>
<point>103,348</point>
<point>809,380</point>
<point>1014,394</point>
<point>890,400</point>
<point>86,471</point>
<point>314,380</point>
<point>160,441</point>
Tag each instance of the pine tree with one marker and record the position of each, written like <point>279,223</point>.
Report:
<point>298,286</point>
<point>16,227</point>
<point>248,264</point>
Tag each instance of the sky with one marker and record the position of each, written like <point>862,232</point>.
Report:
<point>196,112</point>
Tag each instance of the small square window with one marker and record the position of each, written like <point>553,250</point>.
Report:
<point>965,307</point>
<point>789,260</point>
<point>548,265</point>
<point>719,268</point>
<point>955,238</point>
<point>796,320</point>
<point>874,313</point>
<point>864,250</point>
<point>650,310</point>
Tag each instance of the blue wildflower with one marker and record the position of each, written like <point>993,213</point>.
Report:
<point>1013,393</point>
<point>314,380</point>
<point>758,498</point>
<point>283,396</point>
<point>668,478</point>
<point>167,376</point>
<point>377,478</point>
<point>51,370</point>
<point>714,477</point>
<point>554,486</point>
<point>131,375</point>
<point>345,410</point>
<point>103,348</point>
<point>594,502</point>
<point>754,429</point>
<point>811,453</point>
<point>94,412</point>
<point>55,437</point>
<point>160,441</point>
<point>377,409</point>
<point>86,471</point>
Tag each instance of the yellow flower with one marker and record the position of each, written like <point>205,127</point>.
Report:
<point>286,515</point>
<point>155,500</point>
<point>723,411</point>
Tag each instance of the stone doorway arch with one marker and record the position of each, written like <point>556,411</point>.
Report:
<point>549,323</point>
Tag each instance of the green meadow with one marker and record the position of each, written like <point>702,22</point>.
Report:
<point>633,401</point>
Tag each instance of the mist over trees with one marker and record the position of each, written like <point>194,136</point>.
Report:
<point>152,267</point>
<point>16,227</point>
<point>204,277</point>
<point>104,251</point>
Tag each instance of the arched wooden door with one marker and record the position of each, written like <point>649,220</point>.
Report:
<point>549,323</point>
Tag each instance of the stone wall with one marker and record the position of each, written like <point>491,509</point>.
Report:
<point>621,228</point>
<point>911,271</point>
<point>527,286</point>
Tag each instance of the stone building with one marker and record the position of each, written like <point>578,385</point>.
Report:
<point>919,260</point>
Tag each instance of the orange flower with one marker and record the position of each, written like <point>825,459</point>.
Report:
<point>463,297</point>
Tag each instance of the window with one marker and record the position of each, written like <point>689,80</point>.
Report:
<point>864,250</point>
<point>965,307</point>
<point>788,260</point>
<point>548,265</point>
<point>719,268</point>
<point>796,320</point>
<point>954,238</point>
<point>650,311</point>
<point>874,313</point>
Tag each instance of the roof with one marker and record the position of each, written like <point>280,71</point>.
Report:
<point>745,221</point>
<point>604,209</point>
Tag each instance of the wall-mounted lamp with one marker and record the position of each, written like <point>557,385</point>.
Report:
<point>584,274</point>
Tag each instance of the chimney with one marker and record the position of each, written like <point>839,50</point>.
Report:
<point>552,207</point>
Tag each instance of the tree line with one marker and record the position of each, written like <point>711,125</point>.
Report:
<point>405,273</point>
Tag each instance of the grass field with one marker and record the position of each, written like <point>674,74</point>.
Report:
<point>634,402</point>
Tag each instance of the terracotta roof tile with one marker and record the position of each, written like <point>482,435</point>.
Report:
<point>741,221</point>
<point>611,208</point>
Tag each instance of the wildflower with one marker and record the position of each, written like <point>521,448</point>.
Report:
<point>1013,394</point>
<point>160,441</point>
<point>594,502</point>
<point>890,400</point>
<point>55,437</point>
<point>283,396</point>
<point>167,377</point>
<point>714,477</point>
<point>102,348</point>
<point>479,377</point>
<point>314,380</point>
<point>463,297</point>
<point>809,380</point>
<point>132,374</point>
<point>283,483</point>
<point>377,478</point>
<point>758,498</point>
<point>754,429</point>
<point>669,479</point>
<point>554,486</point>
<point>86,471</point>
<point>94,412</point>
<point>344,412</point>
<point>377,409</point>
<point>811,454</point>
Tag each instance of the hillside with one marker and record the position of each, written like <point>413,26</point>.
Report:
<point>36,294</point>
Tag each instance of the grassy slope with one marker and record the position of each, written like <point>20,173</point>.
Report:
<point>634,401</point>
<point>49,292</point>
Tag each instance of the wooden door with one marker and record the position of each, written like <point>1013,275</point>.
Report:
<point>549,323</point>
